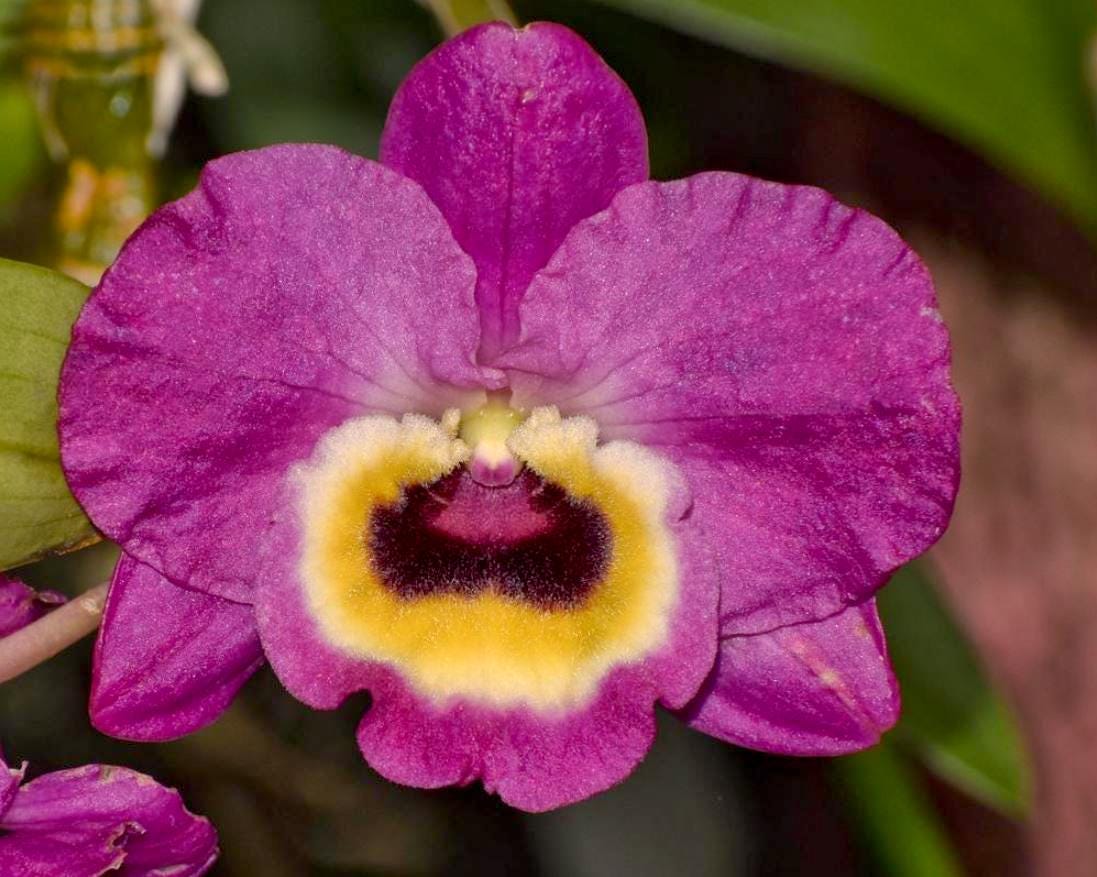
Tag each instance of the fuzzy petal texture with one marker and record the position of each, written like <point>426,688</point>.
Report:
<point>516,135</point>
<point>168,660</point>
<point>786,352</point>
<point>296,287</point>
<point>533,762</point>
<point>822,688</point>
<point>20,604</point>
<point>90,820</point>
<point>39,854</point>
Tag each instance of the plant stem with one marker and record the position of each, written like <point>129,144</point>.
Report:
<point>456,15</point>
<point>40,641</point>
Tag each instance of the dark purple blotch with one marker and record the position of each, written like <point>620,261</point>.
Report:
<point>528,540</point>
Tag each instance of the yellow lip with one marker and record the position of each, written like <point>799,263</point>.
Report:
<point>487,648</point>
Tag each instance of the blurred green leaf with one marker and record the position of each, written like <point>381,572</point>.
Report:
<point>10,13</point>
<point>20,148</point>
<point>319,72</point>
<point>951,715</point>
<point>892,812</point>
<point>1006,77</point>
<point>37,512</point>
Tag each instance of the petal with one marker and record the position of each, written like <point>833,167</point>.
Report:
<point>786,352</point>
<point>168,660</point>
<point>516,135</point>
<point>534,763</point>
<point>299,285</point>
<point>81,821</point>
<point>532,760</point>
<point>822,688</point>
<point>21,604</point>
<point>35,853</point>
<point>10,778</point>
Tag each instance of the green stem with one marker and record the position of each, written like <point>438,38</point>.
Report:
<point>456,15</point>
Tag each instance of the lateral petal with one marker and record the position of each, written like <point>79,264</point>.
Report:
<point>168,660</point>
<point>821,688</point>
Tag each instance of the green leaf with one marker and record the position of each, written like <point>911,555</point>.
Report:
<point>894,815</point>
<point>951,716</point>
<point>37,513</point>
<point>1006,77</point>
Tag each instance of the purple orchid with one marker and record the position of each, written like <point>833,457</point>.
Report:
<point>20,604</point>
<point>509,436</point>
<point>96,820</point>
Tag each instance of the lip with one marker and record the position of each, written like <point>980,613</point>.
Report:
<point>528,541</point>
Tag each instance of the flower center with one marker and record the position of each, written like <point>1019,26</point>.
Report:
<point>527,541</point>
<point>525,591</point>
<point>486,432</point>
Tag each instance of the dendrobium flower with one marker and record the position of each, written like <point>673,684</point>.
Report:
<point>96,820</point>
<point>509,436</point>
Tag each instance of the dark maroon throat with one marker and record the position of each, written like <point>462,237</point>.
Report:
<point>528,541</point>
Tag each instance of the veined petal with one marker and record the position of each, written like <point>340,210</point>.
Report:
<point>516,135</point>
<point>821,688</point>
<point>168,660</point>
<point>89,820</point>
<point>296,287</point>
<point>786,353</point>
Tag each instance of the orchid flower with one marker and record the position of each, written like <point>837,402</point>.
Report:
<point>97,820</point>
<point>509,436</point>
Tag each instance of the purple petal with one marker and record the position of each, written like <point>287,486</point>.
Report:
<point>168,660</point>
<point>532,761</point>
<point>786,352</point>
<point>10,778</point>
<point>822,688</point>
<point>298,286</point>
<point>516,135</point>
<point>21,604</point>
<point>84,821</point>
<point>36,854</point>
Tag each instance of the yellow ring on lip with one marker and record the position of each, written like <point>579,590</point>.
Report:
<point>487,648</point>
